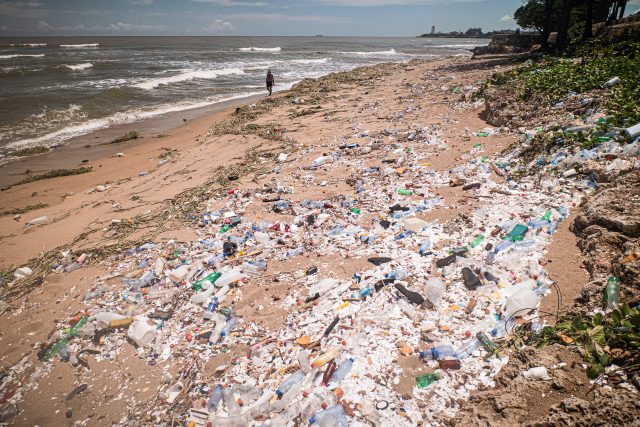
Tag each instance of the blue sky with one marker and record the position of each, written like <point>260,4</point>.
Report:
<point>253,17</point>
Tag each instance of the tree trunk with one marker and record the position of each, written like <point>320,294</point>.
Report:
<point>548,7</point>
<point>588,21</point>
<point>622,5</point>
<point>563,27</point>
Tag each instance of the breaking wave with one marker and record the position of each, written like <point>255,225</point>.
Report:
<point>188,75</point>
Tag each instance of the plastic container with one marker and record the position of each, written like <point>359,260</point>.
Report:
<point>293,379</point>
<point>215,399</point>
<point>342,371</point>
<point>323,286</point>
<point>434,289</point>
<point>141,332</point>
<point>229,278</point>
<point>521,301</point>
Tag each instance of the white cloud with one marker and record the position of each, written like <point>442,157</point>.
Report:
<point>42,25</point>
<point>114,27</point>
<point>281,17</point>
<point>219,25</point>
<point>506,18</point>
<point>230,3</point>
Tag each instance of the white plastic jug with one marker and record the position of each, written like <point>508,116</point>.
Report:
<point>434,290</point>
<point>521,301</point>
<point>179,274</point>
<point>323,286</point>
<point>229,278</point>
<point>142,332</point>
<point>414,224</point>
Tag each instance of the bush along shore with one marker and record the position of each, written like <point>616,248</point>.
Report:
<point>364,262</point>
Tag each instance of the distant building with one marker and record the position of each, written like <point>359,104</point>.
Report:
<point>473,32</point>
<point>433,29</point>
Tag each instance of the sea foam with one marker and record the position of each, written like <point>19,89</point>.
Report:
<point>188,75</point>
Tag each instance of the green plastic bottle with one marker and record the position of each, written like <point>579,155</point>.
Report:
<point>547,216</point>
<point>405,192</point>
<point>73,331</point>
<point>55,348</point>
<point>426,380</point>
<point>197,285</point>
<point>355,211</point>
<point>479,238</point>
<point>225,228</point>
<point>612,294</point>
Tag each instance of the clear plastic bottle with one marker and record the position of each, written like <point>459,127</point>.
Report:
<point>424,248</point>
<point>468,348</point>
<point>233,421</point>
<point>294,378</point>
<point>333,412</point>
<point>437,353</point>
<point>230,401</point>
<point>312,405</point>
<point>214,400</point>
<point>220,322</point>
<point>228,327</point>
<point>342,371</point>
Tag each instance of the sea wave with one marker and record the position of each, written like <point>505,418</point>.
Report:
<point>311,61</point>
<point>390,52</point>
<point>260,49</point>
<point>80,46</point>
<point>186,75</point>
<point>28,44</point>
<point>82,128</point>
<point>78,67</point>
<point>21,55</point>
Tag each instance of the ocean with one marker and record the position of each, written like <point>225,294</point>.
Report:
<point>54,89</point>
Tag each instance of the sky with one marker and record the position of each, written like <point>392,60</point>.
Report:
<point>253,17</point>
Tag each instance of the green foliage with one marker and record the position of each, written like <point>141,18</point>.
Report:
<point>555,78</point>
<point>603,339</point>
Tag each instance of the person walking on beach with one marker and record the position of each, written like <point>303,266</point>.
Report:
<point>270,81</point>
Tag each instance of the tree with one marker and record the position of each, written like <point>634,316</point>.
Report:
<point>540,15</point>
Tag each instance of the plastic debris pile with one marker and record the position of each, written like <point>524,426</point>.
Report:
<point>441,294</point>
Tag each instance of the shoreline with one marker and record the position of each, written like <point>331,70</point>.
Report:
<point>95,145</point>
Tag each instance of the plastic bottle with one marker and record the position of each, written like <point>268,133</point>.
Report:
<point>537,223</point>
<point>230,401</point>
<point>468,348</point>
<point>234,421</point>
<point>426,380</point>
<point>294,378</point>
<point>342,371</point>
<point>294,252</point>
<point>437,353</point>
<point>323,286</point>
<point>434,290</point>
<point>260,406</point>
<point>230,277</point>
<point>228,327</point>
<point>552,227</point>
<point>503,245</point>
<point>220,322</point>
<point>214,400</point>
<point>612,293</point>
<point>211,278</point>
<point>313,405</point>
<point>332,412</point>
<point>424,248</point>
<point>331,354</point>
<point>479,239</point>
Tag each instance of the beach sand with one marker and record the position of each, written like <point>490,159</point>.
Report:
<point>200,162</point>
